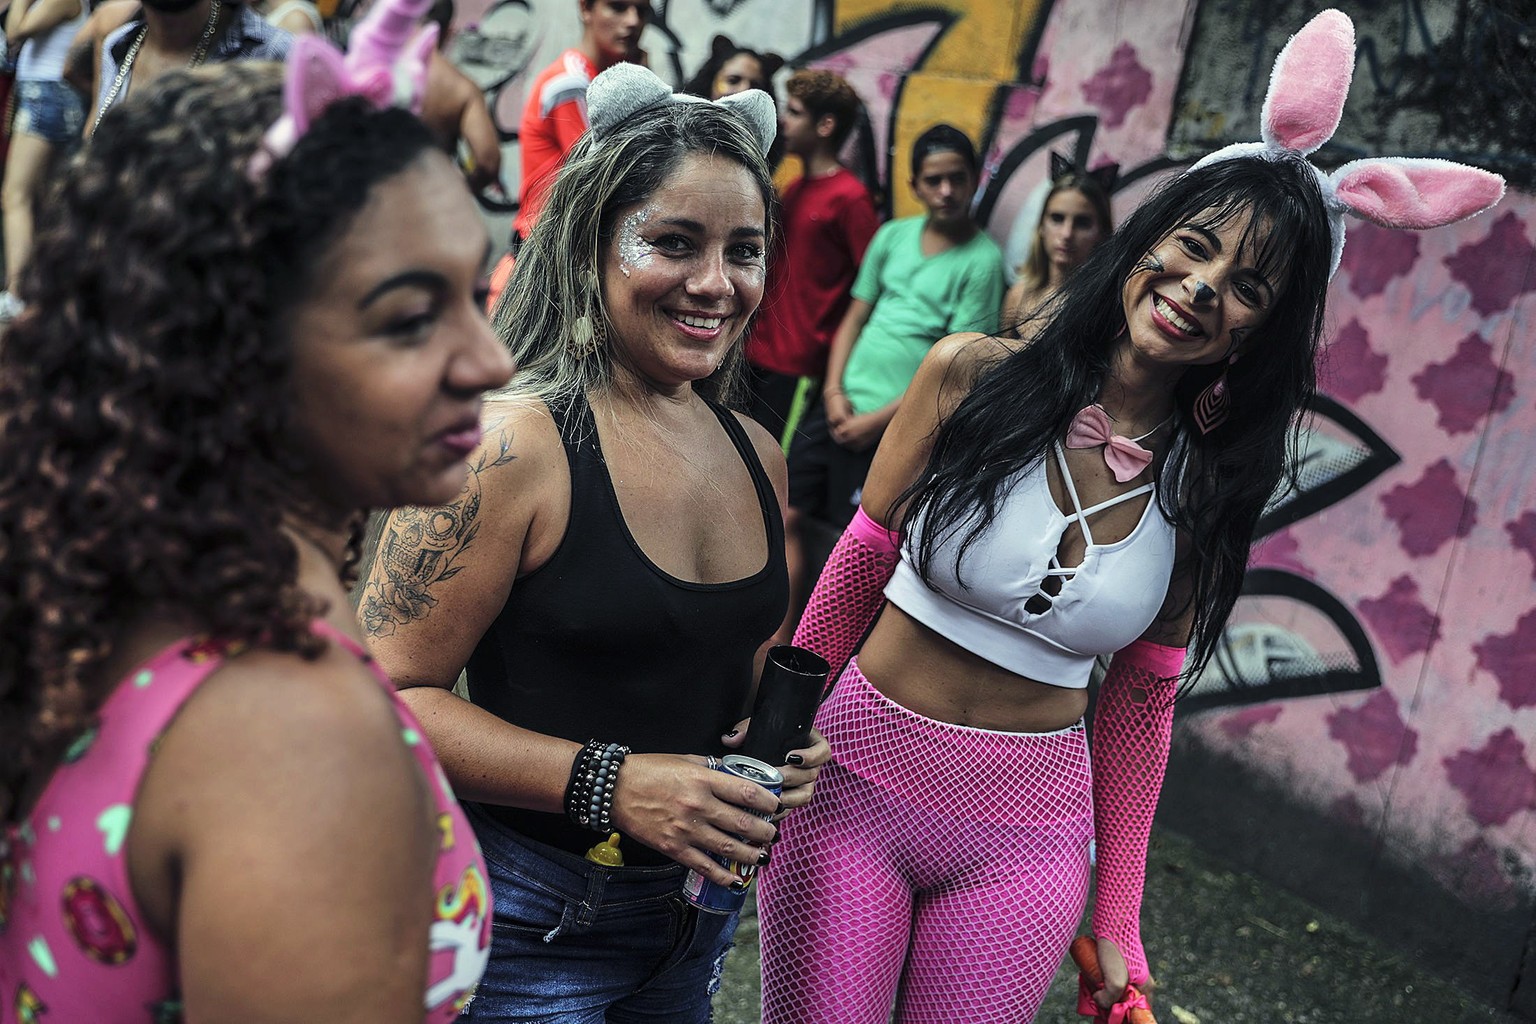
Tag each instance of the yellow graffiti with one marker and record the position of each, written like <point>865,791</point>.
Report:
<point>960,83</point>
<point>984,41</point>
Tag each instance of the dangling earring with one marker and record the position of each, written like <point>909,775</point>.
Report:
<point>587,334</point>
<point>1213,405</point>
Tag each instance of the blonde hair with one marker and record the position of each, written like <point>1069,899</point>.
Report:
<point>1036,269</point>
<point>559,267</point>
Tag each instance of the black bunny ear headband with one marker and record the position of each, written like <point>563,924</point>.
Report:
<point>1104,177</point>
<point>624,90</point>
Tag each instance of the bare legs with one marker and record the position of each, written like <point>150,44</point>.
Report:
<point>25,165</point>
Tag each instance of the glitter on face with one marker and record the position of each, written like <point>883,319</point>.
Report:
<point>634,251</point>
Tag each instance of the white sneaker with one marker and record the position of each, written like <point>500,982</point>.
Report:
<point>10,306</point>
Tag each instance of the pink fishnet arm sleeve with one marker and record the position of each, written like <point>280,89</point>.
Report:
<point>1132,730</point>
<point>849,592</point>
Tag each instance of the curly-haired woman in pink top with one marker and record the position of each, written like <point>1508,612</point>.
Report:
<point>235,339</point>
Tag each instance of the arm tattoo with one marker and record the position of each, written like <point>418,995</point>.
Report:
<point>422,546</point>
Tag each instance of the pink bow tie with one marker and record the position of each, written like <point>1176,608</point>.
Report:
<point>1090,428</point>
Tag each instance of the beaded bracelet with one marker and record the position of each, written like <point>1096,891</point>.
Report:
<point>589,791</point>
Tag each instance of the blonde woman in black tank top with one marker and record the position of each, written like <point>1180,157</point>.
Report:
<point>610,572</point>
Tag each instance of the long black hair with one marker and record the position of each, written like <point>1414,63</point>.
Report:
<point>1212,487</point>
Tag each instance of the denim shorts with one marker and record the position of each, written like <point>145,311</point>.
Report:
<point>49,110</point>
<point>576,943</point>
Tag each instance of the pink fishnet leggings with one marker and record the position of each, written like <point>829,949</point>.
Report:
<point>940,869</point>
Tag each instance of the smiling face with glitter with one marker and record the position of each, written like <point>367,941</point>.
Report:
<point>683,272</point>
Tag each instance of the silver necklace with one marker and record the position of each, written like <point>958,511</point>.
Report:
<point>1160,426</point>
<point>126,67</point>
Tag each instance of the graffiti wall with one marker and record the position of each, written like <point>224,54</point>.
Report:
<point>1381,671</point>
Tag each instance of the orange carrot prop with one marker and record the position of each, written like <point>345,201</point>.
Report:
<point>1085,953</point>
<point>1132,1008</point>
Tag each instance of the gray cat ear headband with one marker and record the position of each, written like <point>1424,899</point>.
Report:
<point>624,90</point>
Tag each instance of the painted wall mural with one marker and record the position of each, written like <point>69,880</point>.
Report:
<point>1382,664</point>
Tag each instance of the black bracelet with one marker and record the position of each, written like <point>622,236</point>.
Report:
<point>572,783</point>
<point>589,791</point>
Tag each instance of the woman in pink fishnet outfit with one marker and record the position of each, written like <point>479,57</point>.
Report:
<point>1033,507</point>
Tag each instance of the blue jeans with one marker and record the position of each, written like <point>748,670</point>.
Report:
<point>576,943</point>
<point>49,110</point>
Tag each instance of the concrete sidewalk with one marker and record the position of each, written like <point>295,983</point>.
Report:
<point>1227,949</point>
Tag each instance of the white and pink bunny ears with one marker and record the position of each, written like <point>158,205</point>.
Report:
<point>624,90</point>
<point>1301,111</point>
<point>383,64</point>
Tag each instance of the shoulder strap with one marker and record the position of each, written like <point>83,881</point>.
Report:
<point>140,708</point>
<point>760,482</point>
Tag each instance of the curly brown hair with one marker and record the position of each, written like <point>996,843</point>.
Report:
<point>146,459</point>
<point>824,92</point>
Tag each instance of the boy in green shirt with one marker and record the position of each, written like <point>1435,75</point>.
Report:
<point>922,278</point>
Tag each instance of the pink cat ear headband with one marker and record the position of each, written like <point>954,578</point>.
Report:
<point>382,64</point>
<point>1301,111</point>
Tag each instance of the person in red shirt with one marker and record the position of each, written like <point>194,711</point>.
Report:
<point>828,220</point>
<point>555,113</point>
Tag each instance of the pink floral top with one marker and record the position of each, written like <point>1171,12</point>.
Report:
<point>73,945</point>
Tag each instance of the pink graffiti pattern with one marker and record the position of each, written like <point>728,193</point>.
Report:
<point>1511,659</point>
<point>1281,551</point>
<point>1118,87</point>
<point>1400,620</point>
<point>1496,269</point>
<point>1522,535</point>
<point>1376,256</point>
<point>1375,736</point>
<point>1496,779</point>
<point>1466,386</point>
<point>1352,369</point>
<point>1431,510</point>
<point>1240,724</point>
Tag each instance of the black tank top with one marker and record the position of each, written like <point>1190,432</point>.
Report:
<point>601,643</point>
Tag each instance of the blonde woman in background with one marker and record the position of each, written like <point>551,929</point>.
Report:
<point>1074,218</point>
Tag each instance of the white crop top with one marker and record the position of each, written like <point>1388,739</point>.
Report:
<point>1106,601</point>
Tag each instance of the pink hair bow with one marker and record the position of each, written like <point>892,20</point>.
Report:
<point>383,64</point>
<point>1302,110</point>
<point>1090,429</point>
